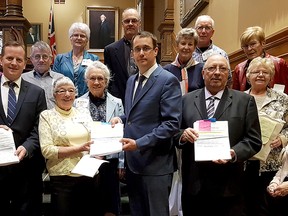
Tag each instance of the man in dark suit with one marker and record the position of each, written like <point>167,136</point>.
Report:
<point>21,183</point>
<point>117,56</point>
<point>152,118</point>
<point>215,187</point>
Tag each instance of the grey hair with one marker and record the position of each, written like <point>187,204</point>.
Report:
<point>62,81</point>
<point>200,18</point>
<point>187,32</point>
<point>102,67</point>
<point>42,46</point>
<point>79,26</point>
<point>267,63</point>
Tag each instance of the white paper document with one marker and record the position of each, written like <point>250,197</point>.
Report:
<point>88,166</point>
<point>106,139</point>
<point>213,141</point>
<point>7,148</point>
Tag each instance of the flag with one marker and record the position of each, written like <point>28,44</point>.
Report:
<point>51,32</point>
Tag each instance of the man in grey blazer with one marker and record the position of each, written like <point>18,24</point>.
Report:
<point>215,187</point>
<point>21,183</point>
<point>151,119</point>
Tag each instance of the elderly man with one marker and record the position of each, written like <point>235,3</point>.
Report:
<point>42,75</point>
<point>117,56</point>
<point>152,118</point>
<point>215,187</point>
<point>20,106</point>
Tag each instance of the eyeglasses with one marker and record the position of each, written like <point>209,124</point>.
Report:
<point>99,79</point>
<point>206,28</point>
<point>257,73</point>
<point>213,69</point>
<point>82,36</point>
<point>128,21</point>
<point>63,91</point>
<point>252,45</point>
<point>44,57</point>
<point>145,49</point>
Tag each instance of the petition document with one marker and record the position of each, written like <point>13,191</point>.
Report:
<point>106,139</point>
<point>7,148</point>
<point>213,141</point>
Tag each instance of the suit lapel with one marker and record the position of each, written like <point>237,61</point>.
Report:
<point>68,63</point>
<point>224,103</point>
<point>110,107</point>
<point>200,104</point>
<point>120,55</point>
<point>2,112</point>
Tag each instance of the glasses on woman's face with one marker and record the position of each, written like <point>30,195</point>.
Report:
<point>82,36</point>
<point>98,78</point>
<point>250,45</point>
<point>64,91</point>
<point>257,73</point>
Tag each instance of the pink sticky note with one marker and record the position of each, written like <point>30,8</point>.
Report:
<point>204,125</point>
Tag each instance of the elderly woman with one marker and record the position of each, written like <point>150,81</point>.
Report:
<point>260,73</point>
<point>74,63</point>
<point>103,106</point>
<point>185,68</point>
<point>252,42</point>
<point>64,138</point>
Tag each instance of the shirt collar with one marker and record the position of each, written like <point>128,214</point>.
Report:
<point>4,81</point>
<point>218,95</point>
<point>37,74</point>
<point>149,71</point>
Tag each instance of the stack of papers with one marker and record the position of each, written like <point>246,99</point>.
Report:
<point>7,148</point>
<point>106,141</point>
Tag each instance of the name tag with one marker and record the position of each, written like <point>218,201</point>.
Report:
<point>86,62</point>
<point>207,54</point>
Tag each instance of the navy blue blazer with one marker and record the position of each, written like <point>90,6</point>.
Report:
<point>63,64</point>
<point>152,120</point>
<point>114,58</point>
<point>239,109</point>
<point>31,102</point>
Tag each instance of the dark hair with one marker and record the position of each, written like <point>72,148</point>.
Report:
<point>146,34</point>
<point>13,44</point>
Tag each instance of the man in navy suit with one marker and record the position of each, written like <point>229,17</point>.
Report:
<point>21,183</point>
<point>117,56</point>
<point>215,187</point>
<point>151,119</point>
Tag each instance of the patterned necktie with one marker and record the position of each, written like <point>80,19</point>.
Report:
<point>11,103</point>
<point>211,107</point>
<point>139,87</point>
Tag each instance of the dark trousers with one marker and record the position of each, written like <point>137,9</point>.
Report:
<point>148,195</point>
<point>20,190</point>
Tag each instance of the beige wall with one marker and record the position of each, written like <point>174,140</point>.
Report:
<point>233,16</point>
<point>37,11</point>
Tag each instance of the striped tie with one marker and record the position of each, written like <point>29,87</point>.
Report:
<point>11,103</point>
<point>211,107</point>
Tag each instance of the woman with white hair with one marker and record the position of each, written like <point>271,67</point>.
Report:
<point>73,64</point>
<point>103,106</point>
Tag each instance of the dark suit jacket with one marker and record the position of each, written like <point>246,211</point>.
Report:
<point>152,120</point>
<point>63,64</point>
<point>31,102</point>
<point>208,178</point>
<point>114,58</point>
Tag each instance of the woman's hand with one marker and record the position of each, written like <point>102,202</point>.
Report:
<point>189,135</point>
<point>276,142</point>
<point>278,190</point>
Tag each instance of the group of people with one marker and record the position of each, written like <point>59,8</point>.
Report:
<point>158,106</point>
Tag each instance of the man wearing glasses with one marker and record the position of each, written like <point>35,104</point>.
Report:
<point>117,56</point>
<point>204,26</point>
<point>42,75</point>
<point>152,118</point>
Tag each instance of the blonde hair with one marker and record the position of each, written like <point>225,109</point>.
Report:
<point>267,63</point>
<point>250,33</point>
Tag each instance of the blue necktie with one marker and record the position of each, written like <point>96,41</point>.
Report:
<point>11,103</point>
<point>139,87</point>
<point>211,107</point>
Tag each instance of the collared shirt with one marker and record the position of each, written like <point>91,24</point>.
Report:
<point>218,96</point>
<point>5,90</point>
<point>45,82</point>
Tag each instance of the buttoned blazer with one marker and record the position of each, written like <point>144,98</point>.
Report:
<point>114,58</point>
<point>63,64</point>
<point>152,119</point>
<point>31,102</point>
<point>240,110</point>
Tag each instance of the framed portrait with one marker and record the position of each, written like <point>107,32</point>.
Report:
<point>34,34</point>
<point>104,25</point>
<point>189,9</point>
